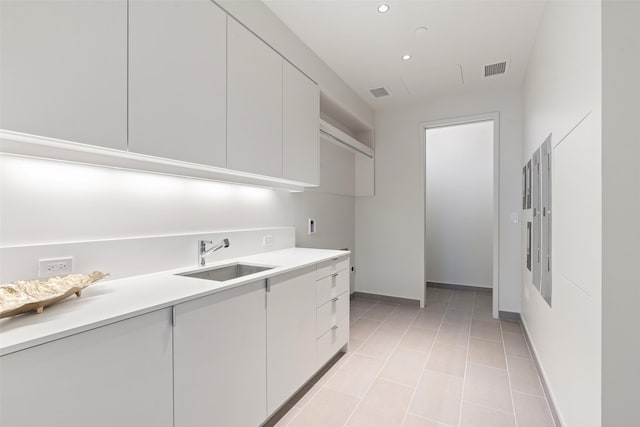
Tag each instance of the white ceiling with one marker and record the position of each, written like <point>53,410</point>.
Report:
<point>365,47</point>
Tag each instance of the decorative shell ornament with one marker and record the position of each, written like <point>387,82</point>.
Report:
<point>34,295</point>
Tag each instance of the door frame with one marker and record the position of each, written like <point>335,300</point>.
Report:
<point>495,116</point>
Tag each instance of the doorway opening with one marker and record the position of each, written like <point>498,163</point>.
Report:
<point>461,204</point>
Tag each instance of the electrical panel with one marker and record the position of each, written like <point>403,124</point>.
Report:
<point>529,245</point>
<point>545,230</point>
<point>535,205</point>
<point>537,179</point>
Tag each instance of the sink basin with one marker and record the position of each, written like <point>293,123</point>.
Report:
<point>228,272</point>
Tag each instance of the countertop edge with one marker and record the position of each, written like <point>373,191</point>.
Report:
<point>45,338</point>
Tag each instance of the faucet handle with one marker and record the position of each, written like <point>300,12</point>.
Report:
<point>202,245</point>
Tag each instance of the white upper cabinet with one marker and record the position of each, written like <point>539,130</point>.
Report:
<point>300,133</point>
<point>64,70</point>
<point>254,104</point>
<point>177,80</point>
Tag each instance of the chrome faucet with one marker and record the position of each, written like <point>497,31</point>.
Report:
<point>203,251</point>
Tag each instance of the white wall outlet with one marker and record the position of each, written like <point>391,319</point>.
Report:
<point>312,226</point>
<point>267,241</point>
<point>55,266</point>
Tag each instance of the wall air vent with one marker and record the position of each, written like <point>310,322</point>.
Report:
<point>495,69</point>
<point>379,92</point>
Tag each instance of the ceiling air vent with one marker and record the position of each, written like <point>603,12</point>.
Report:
<point>379,92</point>
<point>495,69</point>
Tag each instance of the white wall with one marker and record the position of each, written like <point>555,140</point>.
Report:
<point>562,96</point>
<point>390,225</point>
<point>44,202</point>
<point>459,207</point>
<point>621,204</point>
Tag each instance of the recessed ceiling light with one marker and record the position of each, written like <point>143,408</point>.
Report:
<point>421,30</point>
<point>383,8</point>
<point>406,56</point>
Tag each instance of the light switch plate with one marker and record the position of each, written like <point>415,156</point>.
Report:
<point>267,241</point>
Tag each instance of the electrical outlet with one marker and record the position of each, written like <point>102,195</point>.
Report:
<point>267,241</point>
<point>55,267</point>
<point>312,226</point>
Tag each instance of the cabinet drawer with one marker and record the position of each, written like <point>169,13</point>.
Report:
<point>332,266</point>
<point>332,313</point>
<point>332,286</point>
<point>332,341</point>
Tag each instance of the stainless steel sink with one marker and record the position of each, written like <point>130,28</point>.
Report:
<point>228,272</point>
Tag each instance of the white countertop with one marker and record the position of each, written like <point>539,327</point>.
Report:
<point>109,301</point>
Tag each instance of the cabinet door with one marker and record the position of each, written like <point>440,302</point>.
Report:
<point>177,80</point>
<point>300,127</point>
<point>115,375</point>
<point>254,104</point>
<point>220,359</point>
<point>64,70</point>
<point>291,334</point>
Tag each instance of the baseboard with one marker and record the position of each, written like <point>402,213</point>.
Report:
<point>272,421</point>
<point>386,298</point>
<point>455,287</point>
<point>510,316</point>
<point>543,380</point>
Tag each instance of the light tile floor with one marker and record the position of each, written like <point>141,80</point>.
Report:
<point>449,364</point>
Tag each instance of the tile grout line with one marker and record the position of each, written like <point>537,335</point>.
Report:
<point>506,361</point>
<point>383,365</point>
<point>332,375</point>
<point>424,367</point>
<point>363,342</point>
<point>538,376</point>
<point>466,362</point>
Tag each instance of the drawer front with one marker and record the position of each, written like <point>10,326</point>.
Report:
<point>332,286</point>
<point>332,313</point>
<point>332,341</point>
<point>332,266</point>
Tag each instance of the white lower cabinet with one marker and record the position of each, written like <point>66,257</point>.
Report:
<point>331,313</point>
<point>228,359</point>
<point>332,299</point>
<point>114,375</point>
<point>220,359</point>
<point>291,334</point>
<point>332,341</point>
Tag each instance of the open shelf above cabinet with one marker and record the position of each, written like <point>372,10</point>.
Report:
<point>335,135</point>
<point>339,174</point>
